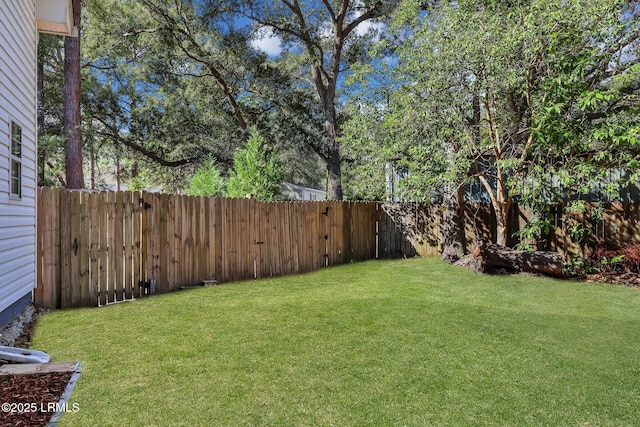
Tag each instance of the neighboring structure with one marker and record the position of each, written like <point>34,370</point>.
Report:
<point>19,26</point>
<point>299,192</point>
<point>475,192</point>
<point>392,177</point>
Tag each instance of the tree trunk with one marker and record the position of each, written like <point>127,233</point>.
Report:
<point>501,204</point>
<point>71,92</point>
<point>42,155</point>
<point>501,224</point>
<point>452,239</point>
<point>335,174</point>
<point>493,258</point>
<point>332,131</point>
<point>452,226</point>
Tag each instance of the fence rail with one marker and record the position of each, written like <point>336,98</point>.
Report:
<point>96,248</point>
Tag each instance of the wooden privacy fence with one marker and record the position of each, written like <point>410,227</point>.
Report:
<point>96,248</point>
<point>414,228</point>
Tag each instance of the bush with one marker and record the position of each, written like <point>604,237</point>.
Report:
<point>256,171</point>
<point>207,181</point>
<point>610,259</point>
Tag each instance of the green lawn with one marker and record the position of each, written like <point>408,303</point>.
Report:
<point>412,342</point>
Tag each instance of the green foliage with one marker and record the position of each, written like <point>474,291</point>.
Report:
<point>153,79</point>
<point>537,227</point>
<point>256,171</point>
<point>364,171</point>
<point>578,267</point>
<point>207,181</point>
<point>321,41</point>
<point>51,142</point>
<point>535,99</point>
<point>618,259</point>
<point>585,119</point>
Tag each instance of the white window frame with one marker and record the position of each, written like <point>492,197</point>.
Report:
<point>15,160</point>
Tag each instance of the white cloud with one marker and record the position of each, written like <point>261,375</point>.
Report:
<point>268,42</point>
<point>365,26</point>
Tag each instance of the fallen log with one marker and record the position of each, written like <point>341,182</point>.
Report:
<point>490,258</point>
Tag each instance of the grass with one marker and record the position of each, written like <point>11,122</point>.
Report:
<point>413,342</point>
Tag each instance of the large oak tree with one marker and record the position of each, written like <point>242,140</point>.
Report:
<point>325,36</point>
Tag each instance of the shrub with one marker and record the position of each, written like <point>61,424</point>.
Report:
<point>611,259</point>
<point>207,181</point>
<point>256,171</point>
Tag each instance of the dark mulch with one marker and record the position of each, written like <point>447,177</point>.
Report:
<point>29,400</point>
<point>626,279</point>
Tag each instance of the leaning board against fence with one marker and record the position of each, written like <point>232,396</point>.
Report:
<point>97,248</point>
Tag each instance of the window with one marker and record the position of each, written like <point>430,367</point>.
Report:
<point>16,161</point>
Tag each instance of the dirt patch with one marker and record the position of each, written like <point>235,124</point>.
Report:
<point>18,332</point>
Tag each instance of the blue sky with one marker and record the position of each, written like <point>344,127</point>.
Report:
<point>269,44</point>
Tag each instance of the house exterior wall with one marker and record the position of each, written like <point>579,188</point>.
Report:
<point>299,192</point>
<point>18,60</point>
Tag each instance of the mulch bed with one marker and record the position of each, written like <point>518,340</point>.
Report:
<point>27,400</point>
<point>626,279</point>
<point>29,396</point>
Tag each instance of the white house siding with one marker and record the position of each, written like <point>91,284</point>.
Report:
<point>299,192</point>
<point>18,40</point>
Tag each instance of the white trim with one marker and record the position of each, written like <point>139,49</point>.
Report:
<point>56,17</point>
<point>15,160</point>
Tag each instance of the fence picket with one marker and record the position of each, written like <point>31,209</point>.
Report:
<point>178,248</point>
<point>128,249</point>
<point>136,246</point>
<point>224,237</point>
<point>193,240</point>
<point>112,250</point>
<point>218,238</point>
<point>39,291</point>
<point>119,254</point>
<point>102,250</point>
<point>46,294</point>
<point>84,250</point>
<point>66,248</point>
<point>165,241</point>
<point>203,247</point>
<point>245,254</point>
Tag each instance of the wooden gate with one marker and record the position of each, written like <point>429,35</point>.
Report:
<point>90,247</point>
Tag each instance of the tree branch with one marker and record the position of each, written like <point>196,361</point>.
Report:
<point>138,32</point>
<point>200,56</point>
<point>327,5</point>
<point>371,13</point>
